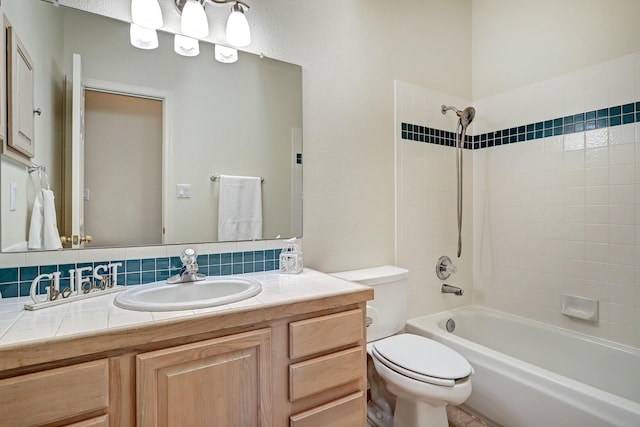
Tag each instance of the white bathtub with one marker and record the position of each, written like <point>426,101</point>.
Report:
<point>531,374</point>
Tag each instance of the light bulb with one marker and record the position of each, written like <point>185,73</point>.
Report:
<point>238,32</point>
<point>186,46</point>
<point>194,20</point>
<point>146,13</point>
<point>143,38</point>
<point>226,55</point>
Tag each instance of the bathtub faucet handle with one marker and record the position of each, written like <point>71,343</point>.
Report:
<point>445,267</point>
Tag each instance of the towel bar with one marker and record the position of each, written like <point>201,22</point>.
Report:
<point>217,177</point>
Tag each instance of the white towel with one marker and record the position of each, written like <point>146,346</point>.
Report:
<point>43,229</point>
<point>37,221</point>
<point>239,208</point>
<point>51,237</point>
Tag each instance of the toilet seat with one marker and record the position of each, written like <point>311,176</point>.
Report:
<point>421,359</point>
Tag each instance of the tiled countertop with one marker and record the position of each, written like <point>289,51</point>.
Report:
<point>98,315</point>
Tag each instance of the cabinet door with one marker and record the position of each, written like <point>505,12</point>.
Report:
<point>20,90</point>
<point>222,382</point>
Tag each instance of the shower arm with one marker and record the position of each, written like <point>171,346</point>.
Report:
<point>446,108</point>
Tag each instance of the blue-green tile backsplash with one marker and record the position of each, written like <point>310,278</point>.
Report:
<point>579,122</point>
<point>16,281</point>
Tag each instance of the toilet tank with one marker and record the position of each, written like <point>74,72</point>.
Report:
<point>388,309</point>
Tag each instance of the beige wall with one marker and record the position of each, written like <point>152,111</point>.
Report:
<point>351,52</point>
<point>519,42</point>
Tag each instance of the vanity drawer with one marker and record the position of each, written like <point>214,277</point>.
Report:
<point>312,336</point>
<point>322,373</point>
<point>55,395</point>
<point>346,412</point>
<point>102,421</point>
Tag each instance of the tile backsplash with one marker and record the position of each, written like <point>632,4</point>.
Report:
<point>16,281</point>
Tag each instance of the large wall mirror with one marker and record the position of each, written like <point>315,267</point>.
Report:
<point>156,127</point>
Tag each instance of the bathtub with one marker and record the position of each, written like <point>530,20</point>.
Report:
<point>531,374</point>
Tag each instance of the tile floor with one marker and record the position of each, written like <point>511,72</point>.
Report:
<point>459,418</point>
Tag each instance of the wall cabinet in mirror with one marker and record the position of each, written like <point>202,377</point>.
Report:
<point>3,85</point>
<point>20,110</point>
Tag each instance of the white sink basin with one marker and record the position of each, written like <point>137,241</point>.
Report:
<point>212,291</point>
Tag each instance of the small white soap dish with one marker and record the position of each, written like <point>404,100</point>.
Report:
<point>580,307</point>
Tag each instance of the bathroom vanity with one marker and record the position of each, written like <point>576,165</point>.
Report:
<point>293,355</point>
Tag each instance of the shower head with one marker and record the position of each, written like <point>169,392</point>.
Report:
<point>466,116</point>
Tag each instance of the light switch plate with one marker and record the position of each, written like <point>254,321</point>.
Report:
<point>183,191</point>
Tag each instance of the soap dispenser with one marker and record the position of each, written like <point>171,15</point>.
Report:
<point>291,258</point>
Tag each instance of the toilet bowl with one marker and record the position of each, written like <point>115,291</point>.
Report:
<point>424,376</point>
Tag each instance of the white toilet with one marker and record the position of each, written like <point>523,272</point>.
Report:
<point>424,375</point>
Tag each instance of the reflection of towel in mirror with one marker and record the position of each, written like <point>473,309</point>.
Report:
<point>239,208</point>
<point>43,229</point>
<point>37,219</point>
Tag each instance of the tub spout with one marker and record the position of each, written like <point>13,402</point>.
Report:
<point>448,289</point>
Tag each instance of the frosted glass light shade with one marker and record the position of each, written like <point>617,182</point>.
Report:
<point>238,32</point>
<point>146,13</point>
<point>143,38</point>
<point>186,46</point>
<point>194,20</point>
<point>226,55</point>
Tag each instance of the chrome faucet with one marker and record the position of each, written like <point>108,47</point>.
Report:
<point>449,289</point>
<point>189,270</point>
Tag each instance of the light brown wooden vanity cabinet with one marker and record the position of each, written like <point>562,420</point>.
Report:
<point>327,376</point>
<point>249,369</point>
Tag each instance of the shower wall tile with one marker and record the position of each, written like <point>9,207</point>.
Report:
<point>586,241</point>
<point>426,198</point>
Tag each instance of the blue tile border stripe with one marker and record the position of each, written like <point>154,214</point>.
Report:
<point>16,281</point>
<point>579,122</point>
<point>432,136</point>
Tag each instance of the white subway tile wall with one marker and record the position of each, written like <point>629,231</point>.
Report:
<point>554,211</point>
<point>575,228</point>
<point>426,226</point>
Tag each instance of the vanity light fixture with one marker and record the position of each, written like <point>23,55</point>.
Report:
<point>238,32</point>
<point>146,18</point>
<point>146,14</point>
<point>194,20</point>
<point>143,38</point>
<point>186,46</point>
<point>226,55</point>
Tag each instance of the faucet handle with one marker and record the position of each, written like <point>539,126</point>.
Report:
<point>445,267</point>
<point>188,256</point>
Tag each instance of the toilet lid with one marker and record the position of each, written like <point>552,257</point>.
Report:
<point>422,356</point>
